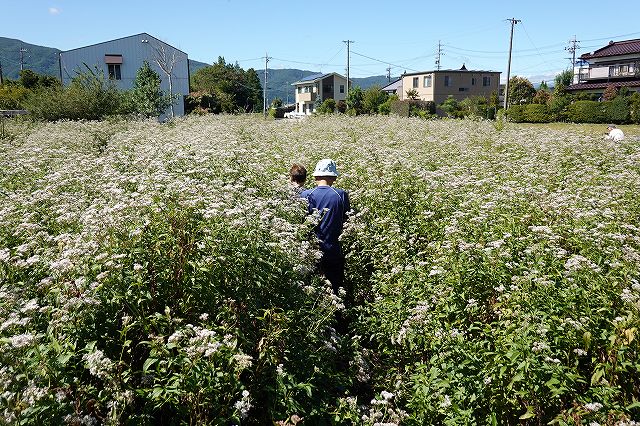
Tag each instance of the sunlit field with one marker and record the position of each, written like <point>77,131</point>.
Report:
<point>164,274</point>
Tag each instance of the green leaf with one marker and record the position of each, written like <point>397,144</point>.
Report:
<point>528,414</point>
<point>148,363</point>
<point>595,378</point>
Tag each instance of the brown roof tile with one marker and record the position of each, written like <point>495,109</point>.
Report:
<point>615,48</point>
<point>617,84</point>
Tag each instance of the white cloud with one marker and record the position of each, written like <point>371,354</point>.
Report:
<point>54,11</point>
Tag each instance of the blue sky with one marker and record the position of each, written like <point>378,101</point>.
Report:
<point>309,34</point>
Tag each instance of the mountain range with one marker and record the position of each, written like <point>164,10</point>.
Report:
<point>44,60</point>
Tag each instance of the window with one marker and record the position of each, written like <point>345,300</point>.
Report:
<point>415,82</point>
<point>427,81</point>
<point>473,81</point>
<point>463,89</point>
<point>448,81</point>
<point>114,72</point>
<point>304,108</point>
<point>299,89</point>
<point>342,88</point>
<point>486,81</point>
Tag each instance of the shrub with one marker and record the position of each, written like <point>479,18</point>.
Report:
<point>372,98</point>
<point>341,106</point>
<point>587,112</point>
<point>515,113</point>
<point>558,105</point>
<point>617,110</point>
<point>89,97</point>
<point>327,107</point>
<point>412,108</point>
<point>634,107</point>
<point>536,113</point>
<point>474,106</point>
<point>202,101</point>
<point>12,96</point>
<point>450,107</point>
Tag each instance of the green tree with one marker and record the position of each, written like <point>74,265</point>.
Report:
<point>564,79</point>
<point>29,79</point>
<point>355,100</point>
<point>521,91</point>
<point>541,97</point>
<point>450,107</point>
<point>236,89</point>
<point>146,98</point>
<point>473,106</point>
<point>543,86</point>
<point>372,98</point>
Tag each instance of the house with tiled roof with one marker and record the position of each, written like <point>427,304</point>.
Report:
<point>617,64</point>
<point>324,86</point>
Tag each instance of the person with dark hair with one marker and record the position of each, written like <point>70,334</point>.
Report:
<point>333,205</point>
<point>297,178</point>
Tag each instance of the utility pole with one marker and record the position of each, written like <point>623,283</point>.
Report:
<point>348,42</point>
<point>1,76</point>
<point>389,74</point>
<point>573,46</point>
<point>22,50</point>
<point>438,54</point>
<point>514,21</point>
<point>264,94</point>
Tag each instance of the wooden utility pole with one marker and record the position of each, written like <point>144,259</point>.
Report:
<point>348,42</point>
<point>514,21</point>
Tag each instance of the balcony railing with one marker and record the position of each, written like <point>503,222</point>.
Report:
<point>606,72</point>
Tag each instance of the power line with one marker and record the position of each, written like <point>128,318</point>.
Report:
<point>383,62</point>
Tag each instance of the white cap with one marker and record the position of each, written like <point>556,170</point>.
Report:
<point>326,167</point>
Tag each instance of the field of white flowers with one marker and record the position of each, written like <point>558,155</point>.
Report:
<point>163,274</point>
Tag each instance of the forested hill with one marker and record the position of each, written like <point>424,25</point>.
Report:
<point>41,59</point>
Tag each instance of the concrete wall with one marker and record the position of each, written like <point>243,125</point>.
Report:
<point>134,50</point>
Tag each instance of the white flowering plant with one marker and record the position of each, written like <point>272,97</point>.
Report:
<point>154,273</point>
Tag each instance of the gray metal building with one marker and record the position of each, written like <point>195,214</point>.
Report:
<point>120,60</point>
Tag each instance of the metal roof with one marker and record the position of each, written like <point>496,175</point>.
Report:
<point>315,77</point>
<point>122,38</point>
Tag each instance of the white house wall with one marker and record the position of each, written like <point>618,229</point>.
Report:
<point>134,50</point>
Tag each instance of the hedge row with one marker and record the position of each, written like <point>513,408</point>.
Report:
<point>619,110</point>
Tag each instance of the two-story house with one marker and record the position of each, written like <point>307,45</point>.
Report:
<point>437,85</point>
<point>324,86</point>
<point>617,64</point>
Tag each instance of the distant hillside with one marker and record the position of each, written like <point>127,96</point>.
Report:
<point>43,60</point>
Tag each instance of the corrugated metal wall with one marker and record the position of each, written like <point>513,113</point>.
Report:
<point>134,50</point>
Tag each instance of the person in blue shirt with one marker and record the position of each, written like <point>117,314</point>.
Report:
<point>333,205</point>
